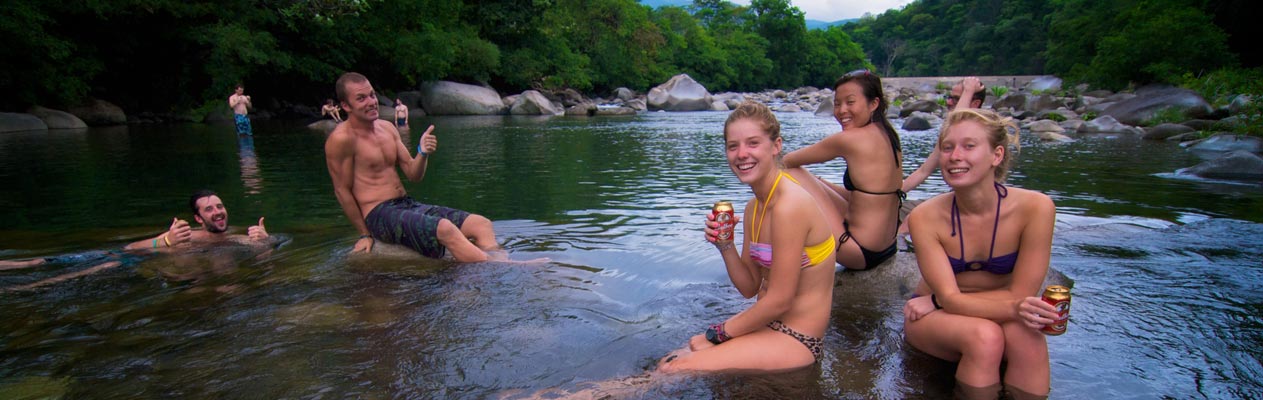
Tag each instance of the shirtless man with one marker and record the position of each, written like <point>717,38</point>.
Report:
<point>401,114</point>
<point>240,104</point>
<point>208,210</point>
<point>331,110</point>
<point>362,154</point>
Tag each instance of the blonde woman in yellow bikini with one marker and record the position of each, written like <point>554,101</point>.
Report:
<point>786,259</point>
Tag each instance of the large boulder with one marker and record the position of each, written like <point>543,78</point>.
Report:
<point>1227,142</point>
<point>1013,100</point>
<point>97,112</point>
<point>15,122</point>
<point>636,104</point>
<point>1107,124</point>
<point>1043,102</point>
<point>532,102</point>
<point>624,94</point>
<point>1164,131</point>
<point>1237,165</point>
<point>826,107</point>
<point>581,110</point>
<point>1046,83</point>
<point>451,98</point>
<point>916,122</point>
<point>789,108</point>
<point>925,106</point>
<point>324,125</point>
<point>680,93</point>
<point>1150,100</point>
<point>1239,103</point>
<point>55,119</point>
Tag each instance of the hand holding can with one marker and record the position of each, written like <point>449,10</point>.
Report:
<point>726,222</point>
<point>1059,297</point>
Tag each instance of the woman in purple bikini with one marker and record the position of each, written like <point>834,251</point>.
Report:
<point>983,250</point>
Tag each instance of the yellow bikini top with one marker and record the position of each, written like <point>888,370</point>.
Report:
<point>762,252</point>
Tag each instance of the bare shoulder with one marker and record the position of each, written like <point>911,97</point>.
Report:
<point>935,206</point>
<point>1031,200</point>
<point>339,141</point>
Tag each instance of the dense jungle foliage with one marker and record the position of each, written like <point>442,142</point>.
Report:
<point>172,55</point>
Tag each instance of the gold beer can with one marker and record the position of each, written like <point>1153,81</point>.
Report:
<point>726,217</point>
<point>1059,297</point>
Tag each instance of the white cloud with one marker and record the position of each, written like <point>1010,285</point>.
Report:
<point>833,10</point>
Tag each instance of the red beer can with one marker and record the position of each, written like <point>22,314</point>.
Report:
<point>726,217</point>
<point>1059,297</point>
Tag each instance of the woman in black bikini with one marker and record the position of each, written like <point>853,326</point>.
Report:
<point>983,250</point>
<point>866,213</point>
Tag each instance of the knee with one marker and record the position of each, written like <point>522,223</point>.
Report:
<point>476,223</point>
<point>447,232</point>
<point>986,343</point>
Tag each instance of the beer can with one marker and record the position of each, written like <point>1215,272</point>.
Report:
<point>726,217</point>
<point>1059,297</point>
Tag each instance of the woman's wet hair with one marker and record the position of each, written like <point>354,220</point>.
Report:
<point>758,112</point>
<point>1000,130</point>
<point>870,84</point>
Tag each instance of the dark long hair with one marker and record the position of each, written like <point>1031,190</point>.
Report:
<point>871,84</point>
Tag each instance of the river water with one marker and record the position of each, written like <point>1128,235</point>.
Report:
<point>1166,270</point>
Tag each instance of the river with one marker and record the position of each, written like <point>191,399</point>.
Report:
<point>1166,270</point>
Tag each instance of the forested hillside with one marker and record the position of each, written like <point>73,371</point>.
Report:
<point>168,55</point>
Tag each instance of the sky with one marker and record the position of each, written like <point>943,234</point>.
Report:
<point>833,10</point>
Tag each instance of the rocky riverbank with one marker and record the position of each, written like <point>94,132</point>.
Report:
<point>1042,104</point>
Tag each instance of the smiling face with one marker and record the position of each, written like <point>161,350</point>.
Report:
<point>850,107</point>
<point>361,101</point>
<point>967,154</point>
<point>750,149</point>
<point>212,214</point>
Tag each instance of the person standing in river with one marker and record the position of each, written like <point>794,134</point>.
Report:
<point>362,154</point>
<point>240,105</point>
<point>983,250</point>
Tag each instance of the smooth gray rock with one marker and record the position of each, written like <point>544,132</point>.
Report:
<point>324,125</point>
<point>581,110</point>
<point>789,108</point>
<point>1235,165</point>
<point>532,102</point>
<point>825,109</point>
<point>926,106</point>
<point>97,112</point>
<point>636,104</point>
<point>1227,142</point>
<point>55,119</point>
<point>1163,131</point>
<point>680,93</point>
<point>1239,103</point>
<point>1107,124</point>
<point>1150,100</point>
<point>624,94</point>
<point>1012,100</point>
<point>451,98</point>
<point>916,123</point>
<point>1046,125</point>
<point>16,122</point>
<point>719,106</point>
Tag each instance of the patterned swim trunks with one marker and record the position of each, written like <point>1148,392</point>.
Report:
<point>243,124</point>
<point>407,222</point>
